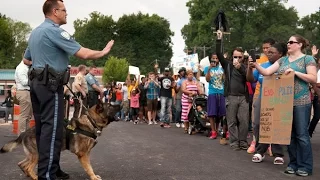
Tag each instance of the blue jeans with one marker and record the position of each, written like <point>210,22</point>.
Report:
<point>300,151</point>
<point>177,117</point>
<point>165,111</point>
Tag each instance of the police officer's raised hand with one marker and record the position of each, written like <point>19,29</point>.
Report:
<point>108,47</point>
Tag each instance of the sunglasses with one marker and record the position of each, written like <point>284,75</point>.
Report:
<point>237,57</point>
<point>292,42</point>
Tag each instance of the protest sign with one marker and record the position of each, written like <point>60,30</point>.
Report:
<point>134,70</point>
<point>276,109</point>
<point>204,63</point>
<point>206,85</point>
<point>192,61</point>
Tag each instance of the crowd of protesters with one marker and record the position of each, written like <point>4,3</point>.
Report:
<point>234,99</point>
<point>233,102</point>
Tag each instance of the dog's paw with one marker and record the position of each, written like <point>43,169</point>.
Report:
<point>96,177</point>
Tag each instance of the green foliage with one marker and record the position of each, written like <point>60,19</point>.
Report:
<point>250,22</point>
<point>115,69</point>
<point>140,38</point>
<point>309,27</point>
<point>13,41</point>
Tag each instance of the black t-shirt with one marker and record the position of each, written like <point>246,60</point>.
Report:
<point>237,84</point>
<point>143,93</point>
<point>166,89</point>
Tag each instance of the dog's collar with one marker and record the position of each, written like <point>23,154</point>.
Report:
<point>97,129</point>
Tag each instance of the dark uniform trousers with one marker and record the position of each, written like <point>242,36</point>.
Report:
<point>78,107</point>
<point>93,98</point>
<point>48,109</point>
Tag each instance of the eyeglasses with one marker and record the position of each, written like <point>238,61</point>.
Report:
<point>237,57</point>
<point>292,42</point>
<point>216,62</point>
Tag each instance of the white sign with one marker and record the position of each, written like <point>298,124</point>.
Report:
<point>192,61</point>
<point>134,70</point>
<point>206,84</point>
<point>204,63</point>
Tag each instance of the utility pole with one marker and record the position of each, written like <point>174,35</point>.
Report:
<point>204,48</point>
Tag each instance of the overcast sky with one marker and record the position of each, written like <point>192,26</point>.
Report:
<point>174,10</point>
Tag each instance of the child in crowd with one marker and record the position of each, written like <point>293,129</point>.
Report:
<point>134,104</point>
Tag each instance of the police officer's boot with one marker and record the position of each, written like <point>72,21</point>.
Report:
<point>62,175</point>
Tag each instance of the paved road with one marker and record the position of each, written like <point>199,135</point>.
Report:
<point>141,152</point>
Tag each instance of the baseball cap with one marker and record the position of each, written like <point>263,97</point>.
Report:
<point>182,69</point>
<point>166,69</point>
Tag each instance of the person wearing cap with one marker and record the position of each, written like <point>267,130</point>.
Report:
<point>182,73</point>
<point>167,83</point>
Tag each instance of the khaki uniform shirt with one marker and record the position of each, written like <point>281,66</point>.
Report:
<point>81,80</point>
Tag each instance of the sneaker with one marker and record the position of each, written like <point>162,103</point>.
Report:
<point>150,123</point>
<point>252,148</point>
<point>223,141</point>
<point>213,135</point>
<point>245,147</point>
<point>135,122</point>
<point>289,170</point>
<point>62,175</point>
<point>182,125</point>
<point>235,148</point>
<point>178,125</point>
<point>155,122</point>
<point>167,126</point>
<point>302,173</point>
<point>162,125</point>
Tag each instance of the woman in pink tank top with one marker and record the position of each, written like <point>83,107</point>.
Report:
<point>190,88</point>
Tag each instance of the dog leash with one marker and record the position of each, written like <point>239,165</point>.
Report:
<point>97,129</point>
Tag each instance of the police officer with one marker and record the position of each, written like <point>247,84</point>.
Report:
<point>80,88</point>
<point>94,89</point>
<point>48,48</point>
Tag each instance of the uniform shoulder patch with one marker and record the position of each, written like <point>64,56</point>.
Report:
<point>66,35</point>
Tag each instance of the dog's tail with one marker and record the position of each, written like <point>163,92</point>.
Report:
<point>12,144</point>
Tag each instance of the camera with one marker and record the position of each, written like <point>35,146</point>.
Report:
<point>254,55</point>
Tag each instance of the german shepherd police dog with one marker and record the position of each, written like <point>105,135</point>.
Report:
<point>82,134</point>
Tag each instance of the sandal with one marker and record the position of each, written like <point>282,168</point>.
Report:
<point>278,161</point>
<point>257,158</point>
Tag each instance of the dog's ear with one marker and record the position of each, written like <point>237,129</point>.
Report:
<point>99,107</point>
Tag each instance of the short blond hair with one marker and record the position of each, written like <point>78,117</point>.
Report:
<point>189,71</point>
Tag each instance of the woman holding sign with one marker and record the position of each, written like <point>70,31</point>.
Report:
<point>275,52</point>
<point>304,68</point>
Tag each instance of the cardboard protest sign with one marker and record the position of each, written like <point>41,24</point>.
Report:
<point>134,70</point>
<point>276,109</point>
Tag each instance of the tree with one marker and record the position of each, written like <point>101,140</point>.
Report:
<point>93,33</point>
<point>250,22</point>
<point>139,38</point>
<point>149,38</point>
<point>6,43</point>
<point>309,27</point>
<point>115,69</point>
<point>20,33</point>
<point>13,41</point>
